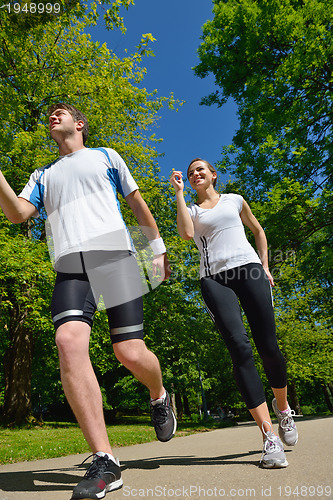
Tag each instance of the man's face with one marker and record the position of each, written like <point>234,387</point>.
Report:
<point>61,124</point>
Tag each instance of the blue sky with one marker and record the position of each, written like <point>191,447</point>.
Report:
<point>193,131</point>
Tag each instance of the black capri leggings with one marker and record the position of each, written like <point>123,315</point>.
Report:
<point>249,284</point>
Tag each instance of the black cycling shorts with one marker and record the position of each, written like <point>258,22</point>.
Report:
<point>108,280</point>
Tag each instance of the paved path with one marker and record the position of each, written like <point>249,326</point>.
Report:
<point>218,464</point>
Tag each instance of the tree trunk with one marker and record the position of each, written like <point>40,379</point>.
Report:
<point>293,397</point>
<point>173,400</point>
<point>327,396</point>
<point>330,387</point>
<point>17,371</point>
<point>179,405</point>
<point>186,406</point>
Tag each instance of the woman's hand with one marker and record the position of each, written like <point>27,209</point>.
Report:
<point>270,277</point>
<point>184,222</point>
<point>176,180</point>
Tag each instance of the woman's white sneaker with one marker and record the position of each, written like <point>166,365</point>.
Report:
<point>273,456</point>
<point>287,427</point>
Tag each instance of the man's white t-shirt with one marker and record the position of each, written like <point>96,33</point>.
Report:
<point>79,193</point>
<point>220,236</point>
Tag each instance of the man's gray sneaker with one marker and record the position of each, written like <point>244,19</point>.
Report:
<point>163,418</point>
<point>103,475</point>
<point>273,456</point>
<point>287,427</point>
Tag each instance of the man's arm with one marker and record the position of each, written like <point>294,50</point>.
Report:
<point>15,209</point>
<point>143,215</point>
<point>145,219</point>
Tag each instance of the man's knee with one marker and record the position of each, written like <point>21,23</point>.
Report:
<point>130,353</point>
<point>72,337</point>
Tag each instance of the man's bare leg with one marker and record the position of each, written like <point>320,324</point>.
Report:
<point>80,384</point>
<point>144,365</point>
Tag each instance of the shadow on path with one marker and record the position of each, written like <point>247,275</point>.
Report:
<point>40,480</point>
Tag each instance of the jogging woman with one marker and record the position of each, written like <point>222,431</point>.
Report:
<point>231,272</point>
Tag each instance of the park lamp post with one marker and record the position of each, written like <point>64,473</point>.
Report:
<point>203,397</point>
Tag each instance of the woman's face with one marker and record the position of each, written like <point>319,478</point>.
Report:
<point>200,175</point>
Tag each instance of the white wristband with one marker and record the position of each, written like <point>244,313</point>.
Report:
<point>157,246</point>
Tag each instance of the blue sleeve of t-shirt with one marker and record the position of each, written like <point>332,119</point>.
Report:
<point>34,189</point>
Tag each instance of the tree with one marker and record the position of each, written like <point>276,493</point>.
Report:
<point>275,59</point>
<point>47,58</point>
<point>25,288</point>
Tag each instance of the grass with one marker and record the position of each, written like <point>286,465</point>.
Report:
<point>54,439</point>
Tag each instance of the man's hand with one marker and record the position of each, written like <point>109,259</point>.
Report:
<point>161,267</point>
<point>16,209</point>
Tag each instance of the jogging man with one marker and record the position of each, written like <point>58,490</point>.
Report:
<point>93,257</point>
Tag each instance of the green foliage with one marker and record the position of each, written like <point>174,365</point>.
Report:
<point>25,273</point>
<point>275,60</point>
<point>26,279</point>
<point>55,440</point>
<point>62,63</point>
<point>305,329</point>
